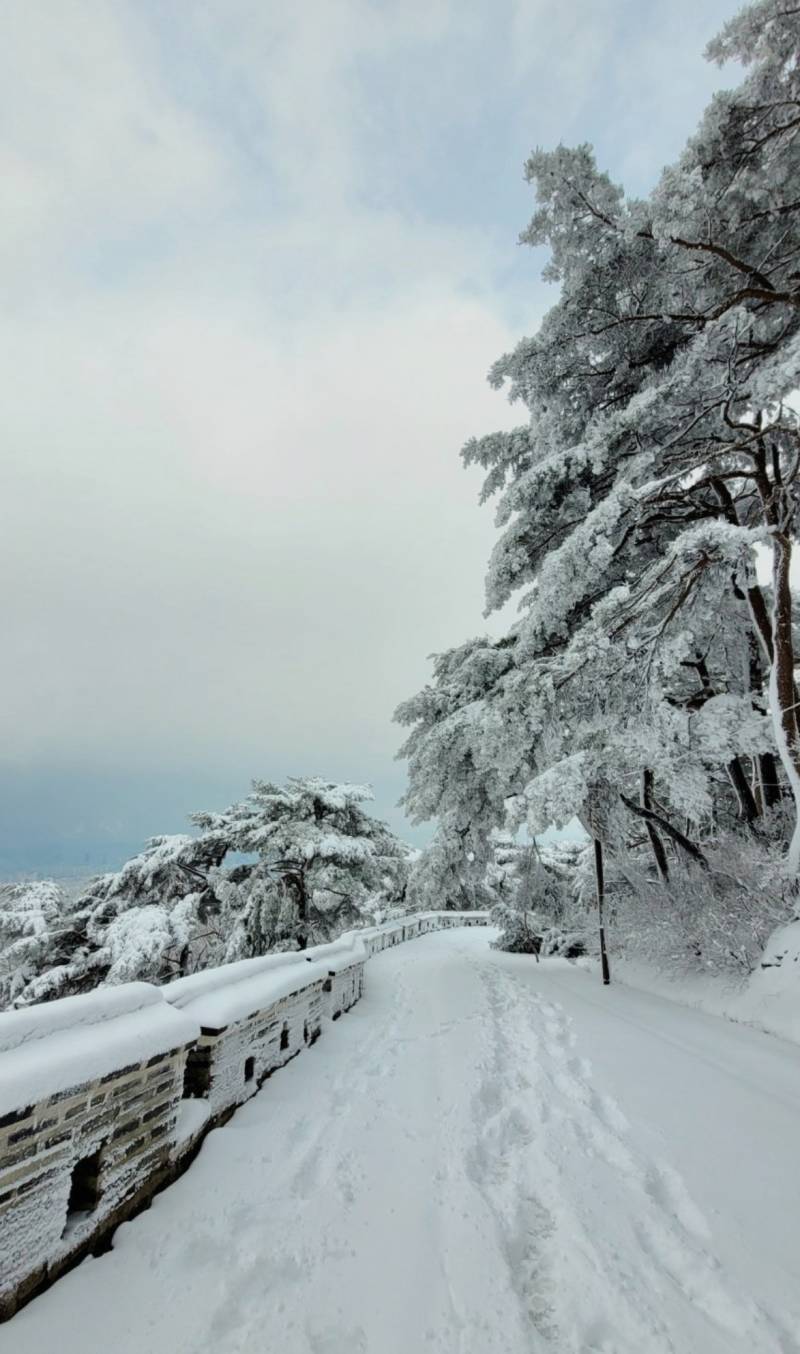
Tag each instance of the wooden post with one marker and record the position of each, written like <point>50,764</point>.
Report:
<point>598,870</point>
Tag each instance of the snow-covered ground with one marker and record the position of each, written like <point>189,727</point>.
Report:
<point>769,999</point>
<point>486,1156</point>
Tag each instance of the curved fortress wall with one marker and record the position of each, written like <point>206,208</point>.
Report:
<point>105,1098</point>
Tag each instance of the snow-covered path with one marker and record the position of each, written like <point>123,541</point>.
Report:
<point>485,1156</point>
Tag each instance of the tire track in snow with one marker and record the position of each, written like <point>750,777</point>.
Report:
<point>606,1249</point>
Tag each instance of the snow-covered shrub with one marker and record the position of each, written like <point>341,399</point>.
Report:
<point>521,931</point>
<point>538,914</point>
<point>717,919</point>
<point>524,932</point>
<point>566,944</point>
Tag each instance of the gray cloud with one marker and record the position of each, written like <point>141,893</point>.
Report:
<point>258,260</point>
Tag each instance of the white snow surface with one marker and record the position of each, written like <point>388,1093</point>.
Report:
<point>769,999</point>
<point>485,1156</point>
<point>64,1043</point>
<point>184,990</point>
<point>772,996</point>
<point>218,997</point>
<point>39,1022</point>
<point>193,1115</point>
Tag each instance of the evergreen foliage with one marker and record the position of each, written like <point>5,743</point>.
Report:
<point>647,688</point>
<point>318,864</point>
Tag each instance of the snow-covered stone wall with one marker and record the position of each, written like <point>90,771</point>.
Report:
<point>104,1097</point>
<point>406,928</point>
<point>257,1014</point>
<point>90,1089</point>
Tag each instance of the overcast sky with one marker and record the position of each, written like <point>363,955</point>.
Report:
<point>257,259</point>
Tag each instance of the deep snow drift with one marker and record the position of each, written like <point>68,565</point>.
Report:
<point>486,1156</point>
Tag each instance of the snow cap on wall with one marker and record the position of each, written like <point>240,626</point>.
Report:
<point>219,997</point>
<point>60,1044</point>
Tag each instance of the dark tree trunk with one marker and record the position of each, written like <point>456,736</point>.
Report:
<point>782,688</point>
<point>778,511</point>
<point>773,632</point>
<point>769,778</point>
<point>598,870</point>
<point>748,808</point>
<point>297,883</point>
<point>650,815</point>
<point>766,767</point>
<point>656,843</point>
<point>759,611</point>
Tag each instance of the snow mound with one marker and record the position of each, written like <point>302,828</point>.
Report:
<point>771,999</point>
<point>193,1116</point>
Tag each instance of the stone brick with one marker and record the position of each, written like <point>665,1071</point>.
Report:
<point>34,1181</point>
<point>157,1058</point>
<point>163,1086</point>
<point>124,1129</point>
<point>21,1172</point>
<point>156,1111</point>
<point>15,1116</point>
<point>155,1159</point>
<point>21,1153</point>
<point>166,1084</point>
<point>69,1093</point>
<point>120,1072</point>
<point>58,1138</point>
<point>90,1128</point>
<point>127,1094</point>
<point>126,1087</point>
<point>132,1149</point>
<point>21,1134</point>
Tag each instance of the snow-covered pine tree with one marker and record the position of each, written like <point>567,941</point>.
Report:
<point>34,933</point>
<point>448,876</point>
<point>659,452</point>
<point>318,863</point>
<point>138,922</point>
<point>325,860</point>
<point>459,767</point>
<point>660,448</point>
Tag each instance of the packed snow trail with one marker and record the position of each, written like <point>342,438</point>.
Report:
<point>446,1173</point>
